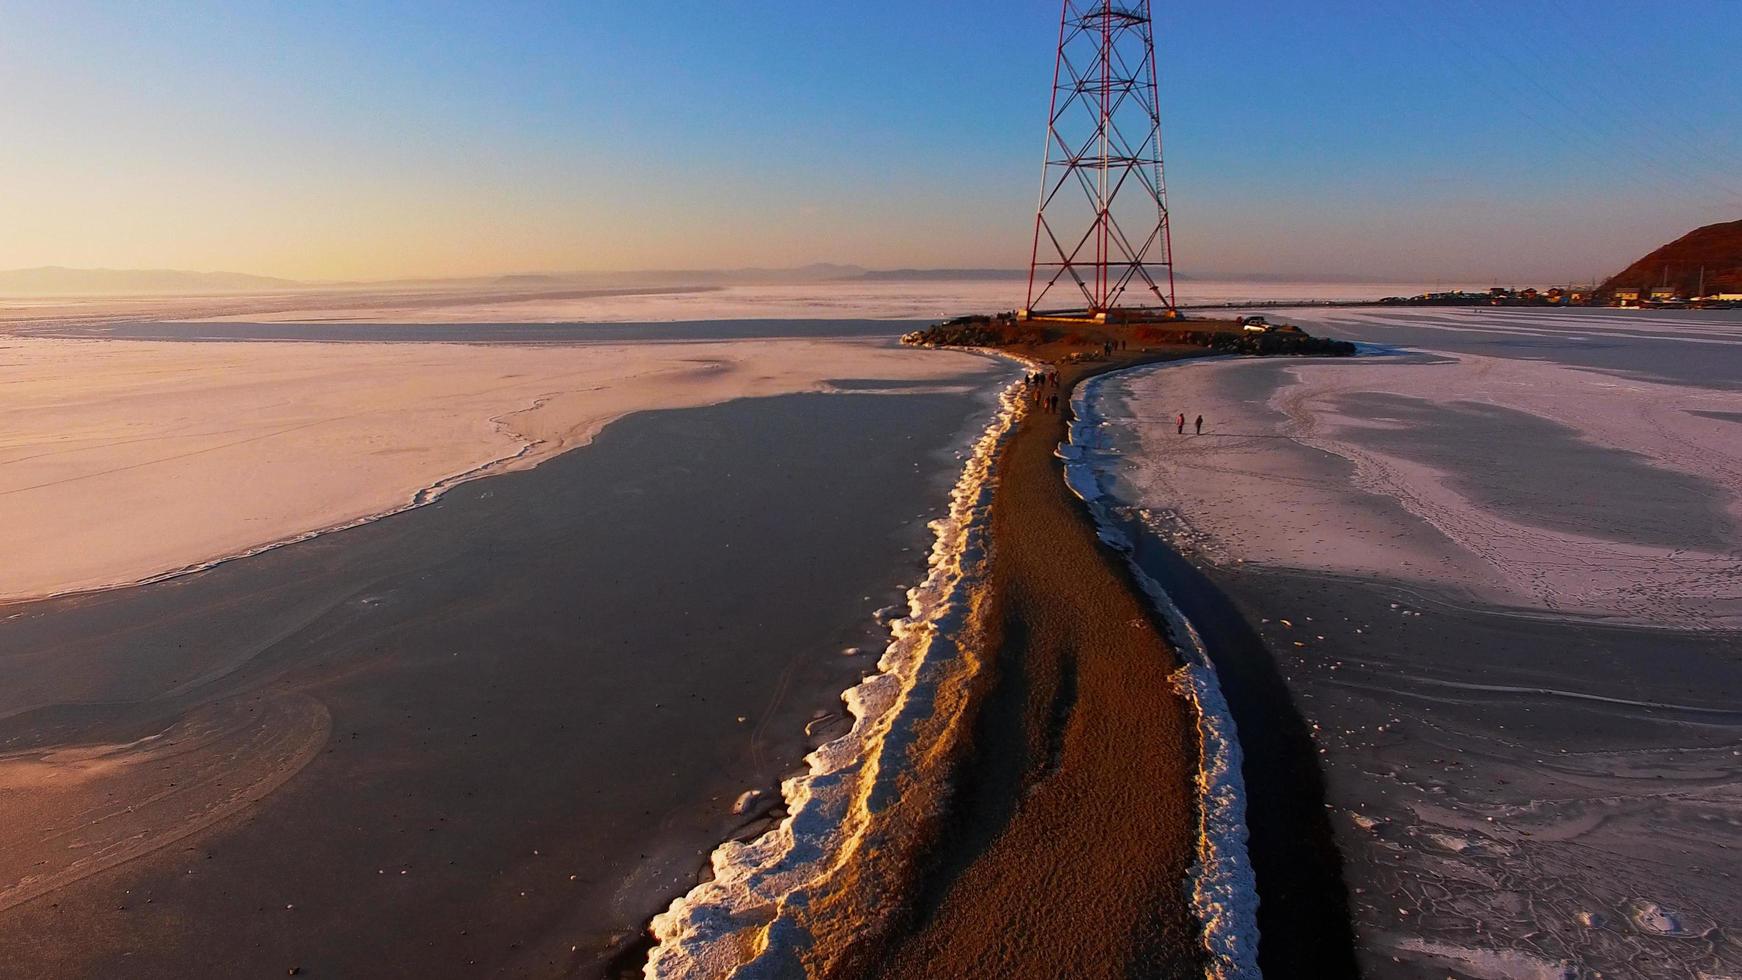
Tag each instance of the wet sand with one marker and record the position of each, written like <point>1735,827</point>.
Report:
<point>488,736</point>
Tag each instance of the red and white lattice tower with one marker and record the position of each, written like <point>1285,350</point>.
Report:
<point>1101,236</point>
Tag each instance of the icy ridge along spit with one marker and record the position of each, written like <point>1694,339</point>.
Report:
<point>1224,890</point>
<point>747,921</point>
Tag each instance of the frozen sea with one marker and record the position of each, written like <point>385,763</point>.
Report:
<point>492,734</point>
<point>1497,560</point>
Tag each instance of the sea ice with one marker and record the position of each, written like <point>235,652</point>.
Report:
<point>131,460</point>
<point>1552,525</point>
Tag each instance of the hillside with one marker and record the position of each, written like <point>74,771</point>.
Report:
<point>1717,248</point>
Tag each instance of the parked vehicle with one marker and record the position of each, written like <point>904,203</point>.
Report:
<point>1256,324</point>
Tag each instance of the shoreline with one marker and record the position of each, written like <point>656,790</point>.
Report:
<point>1294,858</point>
<point>728,923</point>
<point>1070,829</point>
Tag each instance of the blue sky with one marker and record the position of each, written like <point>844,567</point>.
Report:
<point>1539,139</point>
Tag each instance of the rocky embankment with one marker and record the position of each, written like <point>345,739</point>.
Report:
<point>1217,336</point>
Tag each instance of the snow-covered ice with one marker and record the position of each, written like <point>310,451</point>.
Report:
<point>1514,477</point>
<point>1516,535</point>
<point>123,461</point>
<point>914,299</point>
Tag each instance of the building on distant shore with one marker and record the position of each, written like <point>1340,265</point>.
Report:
<point>1501,296</point>
<point>1626,297</point>
<point>1665,294</point>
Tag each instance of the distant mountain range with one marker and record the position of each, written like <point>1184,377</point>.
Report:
<point>940,275</point>
<point>51,280</point>
<point>1712,254</point>
<point>60,281</point>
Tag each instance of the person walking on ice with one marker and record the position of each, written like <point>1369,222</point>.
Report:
<point>1200,425</point>
<point>1182,423</point>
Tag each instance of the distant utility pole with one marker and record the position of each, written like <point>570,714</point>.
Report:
<point>1102,228</point>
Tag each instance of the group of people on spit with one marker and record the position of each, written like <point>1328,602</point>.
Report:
<point>1043,387</point>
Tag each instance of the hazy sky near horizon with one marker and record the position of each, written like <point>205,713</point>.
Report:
<point>1509,139</point>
